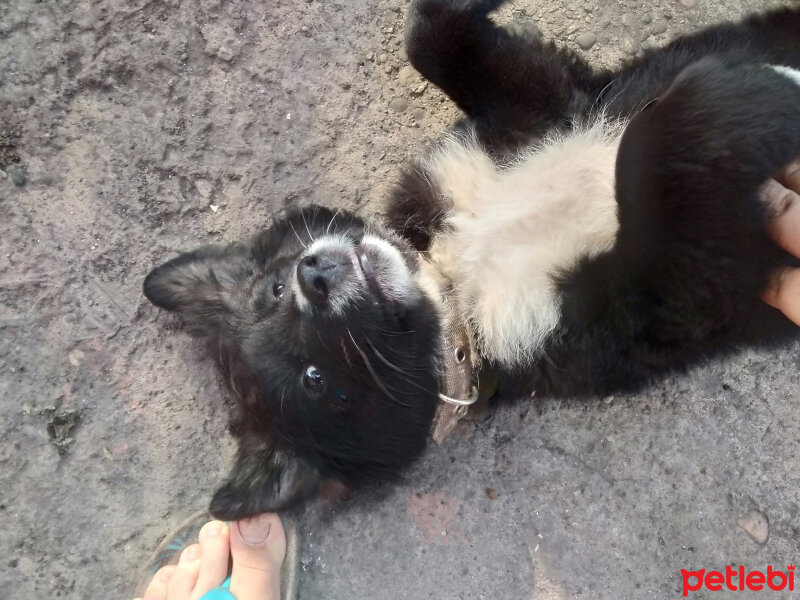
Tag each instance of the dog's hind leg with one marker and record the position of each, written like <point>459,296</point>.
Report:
<point>512,86</point>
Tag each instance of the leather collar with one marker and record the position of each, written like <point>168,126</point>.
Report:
<point>465,379</point>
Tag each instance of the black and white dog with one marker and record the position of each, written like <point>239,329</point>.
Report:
<point>588,230</point>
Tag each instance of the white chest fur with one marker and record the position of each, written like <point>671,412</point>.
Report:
<point>792,74</point>
<point>510,230</point>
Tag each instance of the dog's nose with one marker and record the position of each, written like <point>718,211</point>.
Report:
<point>317,275</point>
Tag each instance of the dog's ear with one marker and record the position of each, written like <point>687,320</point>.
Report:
<point>201,285</point>
<point>263,479</point>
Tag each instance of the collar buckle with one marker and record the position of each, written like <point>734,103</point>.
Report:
<point>469,401</point>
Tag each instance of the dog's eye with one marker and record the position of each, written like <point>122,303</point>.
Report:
<point>277,289</point>
<point>313,381</point>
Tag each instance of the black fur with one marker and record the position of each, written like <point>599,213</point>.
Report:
<point>709,123</point>
<point>293,439</point>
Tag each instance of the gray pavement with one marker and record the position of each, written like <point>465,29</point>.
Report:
<point>130,130</point>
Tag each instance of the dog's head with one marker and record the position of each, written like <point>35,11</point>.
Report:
<point>328,343</point>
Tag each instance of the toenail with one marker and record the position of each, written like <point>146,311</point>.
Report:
<point>255,530</point>
<point>191,553</point>
<point>210,530</point>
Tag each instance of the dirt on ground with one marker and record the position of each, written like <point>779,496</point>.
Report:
<point>131,130</point>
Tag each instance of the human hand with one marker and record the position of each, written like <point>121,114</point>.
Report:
<point>783,194</point>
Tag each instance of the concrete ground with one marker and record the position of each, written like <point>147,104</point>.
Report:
<point>131,129</point>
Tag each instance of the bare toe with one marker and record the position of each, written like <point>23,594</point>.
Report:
<point>214,557</point>
<point>258,546</point>
<point>157,588</point>
<point>184,578</point>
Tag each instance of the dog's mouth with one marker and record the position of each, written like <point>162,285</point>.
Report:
<point>383,269</point>
<point>367,270</point>
<point>335,271</point>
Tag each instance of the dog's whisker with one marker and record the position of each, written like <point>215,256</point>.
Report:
<point>336,214</point>
<point>384,360</point>
<point>390,333</point>
<point>372,372</point>
<point>310,237</point>
<point>346,354</point>
<point>322,342</point>
<point>297,236</point>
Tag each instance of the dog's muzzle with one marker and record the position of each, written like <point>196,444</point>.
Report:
<point>335,270</point>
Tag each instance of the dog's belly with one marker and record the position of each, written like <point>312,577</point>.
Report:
<point>510,230</point>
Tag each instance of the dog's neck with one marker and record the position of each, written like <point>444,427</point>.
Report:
<point>463,379</point>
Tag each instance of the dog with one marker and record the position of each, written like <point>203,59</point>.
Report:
<point>578,232</point>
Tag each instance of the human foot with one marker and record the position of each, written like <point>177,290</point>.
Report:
<point>256,547</point>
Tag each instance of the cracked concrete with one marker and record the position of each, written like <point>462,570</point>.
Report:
<point>130,130</point>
